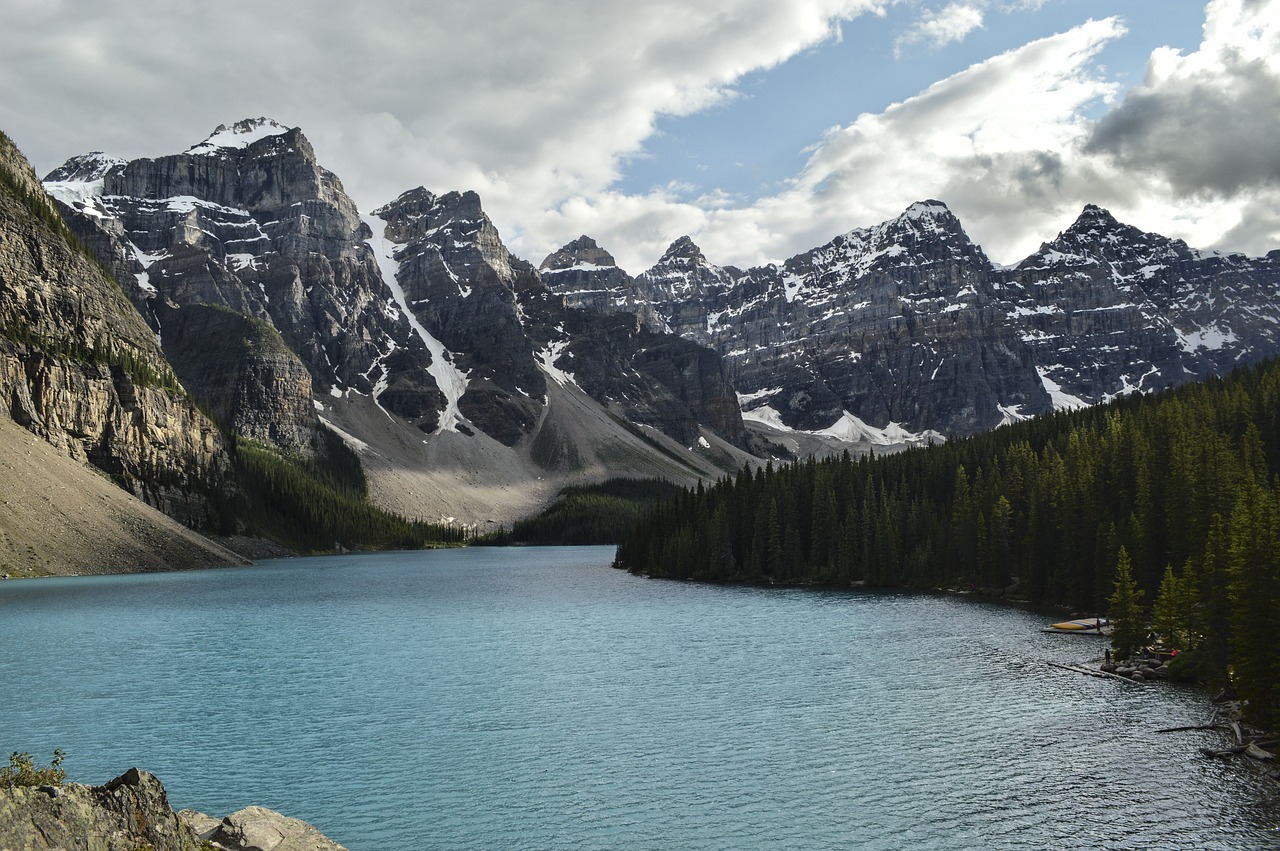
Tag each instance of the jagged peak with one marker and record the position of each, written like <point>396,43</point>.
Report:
<point>929,216</point>
<point>1091,216</point>
<point>923,219</point>
<point>420,201</point>
<point>581,253</point>
<point>241,134</point>
<point>582,243</point>
<point>684,251</point>
<point>84,167</point>
<point>928,209</point>
<point>1096,222</point>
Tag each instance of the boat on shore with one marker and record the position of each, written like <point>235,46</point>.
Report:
<point>1081,626</point>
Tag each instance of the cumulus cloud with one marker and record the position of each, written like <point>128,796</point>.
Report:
<point>539,105</point>
<point>531,104</point>
<point>1010,145</point>
<point>999,142</point>
<point>1207,122</point>
<point>937,28</point>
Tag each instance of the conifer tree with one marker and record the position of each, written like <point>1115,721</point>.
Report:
<point>1168,611</point>
<point>1128,630</point>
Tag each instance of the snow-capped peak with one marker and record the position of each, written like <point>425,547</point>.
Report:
<point>684,251</point>
<point>928,209</point>
<point>84,168</point>
<point>80,178</point>
<point>239,135</point>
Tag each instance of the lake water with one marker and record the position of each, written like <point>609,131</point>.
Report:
<point>537,698</point>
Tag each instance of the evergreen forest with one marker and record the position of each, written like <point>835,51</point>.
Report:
<point>588,514</point>
<point>319,504</point>
<point>1164,506</point>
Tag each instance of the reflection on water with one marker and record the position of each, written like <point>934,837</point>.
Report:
<point>535,698</point>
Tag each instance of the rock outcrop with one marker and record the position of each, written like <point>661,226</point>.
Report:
<point>258,829</point>
<point>133,812</point>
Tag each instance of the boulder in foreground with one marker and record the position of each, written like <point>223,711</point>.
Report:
<point>131,812</point>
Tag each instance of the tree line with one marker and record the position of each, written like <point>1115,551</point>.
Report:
<point>1178,490</point>
<point>319,504</point>
<point>587,514</point>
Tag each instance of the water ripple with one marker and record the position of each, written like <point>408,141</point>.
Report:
<point>537,699</point>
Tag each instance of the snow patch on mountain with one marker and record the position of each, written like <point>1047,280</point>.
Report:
<point>547,361</point>
<point>1210,337</point>
<point>80,180</point>
<point>350,439</point>
<point>745,399</point>
<point>848,428</point>
<point>1062,401</point>
<point>451,380</point>
<point>851,429</point>
<point>1010,414</point>
<point>242,134</point>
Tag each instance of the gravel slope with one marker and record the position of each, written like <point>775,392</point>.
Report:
<point>60,517</point>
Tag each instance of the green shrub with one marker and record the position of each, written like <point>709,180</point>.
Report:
<point>22,771</point>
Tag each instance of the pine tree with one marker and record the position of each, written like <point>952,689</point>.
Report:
<point>1168,611</point>
<point>1128,631</point>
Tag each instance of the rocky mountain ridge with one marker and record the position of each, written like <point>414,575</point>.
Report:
<point>908,328</point>
<point>416,313</point>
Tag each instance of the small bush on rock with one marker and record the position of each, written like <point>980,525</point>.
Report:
<point>22,771</point>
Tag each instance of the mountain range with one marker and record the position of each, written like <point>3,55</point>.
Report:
<point>473,385</point>
<point>907,328</point>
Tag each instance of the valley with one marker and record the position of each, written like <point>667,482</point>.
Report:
<point>473,386</point>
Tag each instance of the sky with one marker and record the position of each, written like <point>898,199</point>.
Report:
<point>761,129</point>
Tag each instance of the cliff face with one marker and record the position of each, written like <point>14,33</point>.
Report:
<point>248,220</point>
<point>241,368</point>
<point>508,334</point>
<point>654,379</point>
<point>460,283</point>
<point>80,368</point>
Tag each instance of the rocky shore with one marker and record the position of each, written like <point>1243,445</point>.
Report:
<point>132,812</point>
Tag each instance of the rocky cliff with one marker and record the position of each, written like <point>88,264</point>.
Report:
<point>416,307</point>
<point>132,812</point>
<point>81,369</point>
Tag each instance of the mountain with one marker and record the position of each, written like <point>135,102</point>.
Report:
<point>906,329</point>
<point>247,220</point>
<point>468,388</point>
<point>1110,310</point>
<point>473,385</point>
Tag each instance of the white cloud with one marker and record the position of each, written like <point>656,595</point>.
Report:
<point>530,104</point>
<point>942,27</point>
<point>538,106</point>
<point>1010,146</point>
<point>999,142</point>
<point>1201,128</point>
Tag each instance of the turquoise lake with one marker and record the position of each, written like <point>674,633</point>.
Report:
<point>537,698</point>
